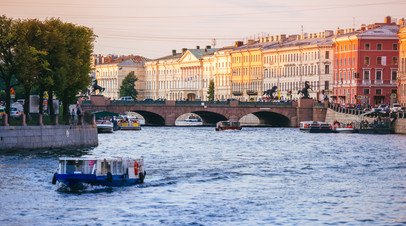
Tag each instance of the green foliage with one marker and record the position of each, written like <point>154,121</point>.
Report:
<point>127,88</point>
<point>48,56</point>
<point>210,92</point>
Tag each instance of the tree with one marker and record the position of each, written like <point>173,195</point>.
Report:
<point>210,92</point>
<point>30,59</point>
<point>127,88</point>
<point>70,47</point>
<point>8,40</point>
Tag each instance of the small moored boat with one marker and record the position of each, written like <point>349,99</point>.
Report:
<point>112,172</point>
<point>104,126</point>
<point>228,125</point>
<point>342,127</point>
<point>315,127</point>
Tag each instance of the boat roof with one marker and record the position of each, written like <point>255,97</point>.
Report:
<point>101,114</point>
<point>93,158</point>
<point>372,113</point>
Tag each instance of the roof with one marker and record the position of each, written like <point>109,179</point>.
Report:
<point>102,114</point>
<point>199,53</point>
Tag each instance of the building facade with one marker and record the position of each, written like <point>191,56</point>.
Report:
<point>111,75</point>
<point>366,65</point>
<point>402,65</point>
<point>291,61</point>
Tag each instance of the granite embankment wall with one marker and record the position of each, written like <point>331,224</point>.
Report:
<point>331,116</point>
<point>52,136</point>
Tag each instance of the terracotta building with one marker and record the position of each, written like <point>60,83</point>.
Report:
<point>366,64</point>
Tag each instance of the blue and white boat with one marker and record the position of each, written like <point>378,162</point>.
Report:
<point>112,172</point>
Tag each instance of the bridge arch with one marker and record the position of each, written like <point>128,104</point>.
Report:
<point>151,118</point>
<point>272,119</point>
<point>210,118</point>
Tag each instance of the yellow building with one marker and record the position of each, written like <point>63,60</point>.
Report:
<point>111,75</point>
<point>401,80</point>
<point>246,70</point>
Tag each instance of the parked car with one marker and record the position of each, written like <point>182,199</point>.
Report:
<point>396,107</point>
<point>15,113</point>
<point>148,100</point>
<point>127,98</point>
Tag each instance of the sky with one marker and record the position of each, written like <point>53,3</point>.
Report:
<point>154,28</point>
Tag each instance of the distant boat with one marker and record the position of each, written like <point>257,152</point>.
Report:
<point>228,125</point>
<point>103,121</point>
<point>190,121</point>
<point>112,172</point>
<point>315,127</point>
<point>128,123</point>
<point>342,128</point>
<point>104,126</point>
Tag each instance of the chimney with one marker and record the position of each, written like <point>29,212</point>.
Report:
<point>238,43</point>
<point>250,42</point>
<point>388,20</point>
<point>282,37</point>
<point>197,47</point>
<point>270,38</point>
<point>402,22</point>
<point>328,33</point>
<point>174,52</point>
<point>363,27</point>
<point>184,50</point>
<point>208,47</point>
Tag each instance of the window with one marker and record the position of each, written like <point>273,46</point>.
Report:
<point>366,75</point>
<point>394,61</point>
<point>327,55</point>
<point>379,46</point>
<point>367,46</point>
<point>366,60</point>
<point>379,60</point>
<point>378,91</point>
<point>353,60</point>
<point>378,75</point>
<point>366,91</point>
<point>349,60</point>
<point>394,75</point>
<point>395,46</point>
<point>327,69</point>
<point>345,61</point>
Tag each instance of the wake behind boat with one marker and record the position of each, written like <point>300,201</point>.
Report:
<point>112,172</point>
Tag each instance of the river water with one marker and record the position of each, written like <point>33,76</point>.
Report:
<point>263,176</point>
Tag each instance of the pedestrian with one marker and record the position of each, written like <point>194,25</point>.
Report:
<point>78,112</point>
<point>73,114</point>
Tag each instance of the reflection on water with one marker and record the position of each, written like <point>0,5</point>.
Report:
<point>200,176</point>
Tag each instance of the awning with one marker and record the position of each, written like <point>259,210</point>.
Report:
<point>102,114</point>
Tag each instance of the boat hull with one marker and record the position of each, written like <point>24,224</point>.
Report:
<point>79,180</point>
<point>228,128</point>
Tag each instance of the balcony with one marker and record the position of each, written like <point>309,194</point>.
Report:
<point>379,82</point>
<point>366,82</point>
<point>237,93</point>
<point>252,93</point>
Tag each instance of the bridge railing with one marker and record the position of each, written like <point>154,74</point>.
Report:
<point>201,103</point>
<point>275,104</point>
<point>123,102</point>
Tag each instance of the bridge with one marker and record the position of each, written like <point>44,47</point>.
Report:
<point>165,113</point>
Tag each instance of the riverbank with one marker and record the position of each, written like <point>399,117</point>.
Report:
<point>50,136</point>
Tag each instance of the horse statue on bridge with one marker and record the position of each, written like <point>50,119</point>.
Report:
<point>97,87</point>
<point>270,92</point>
<point>305,91</point>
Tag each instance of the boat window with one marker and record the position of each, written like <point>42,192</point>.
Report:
<point>119,167</point>
<point>105,167</point>
<point>226,123</point>
<point>70,166</point>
